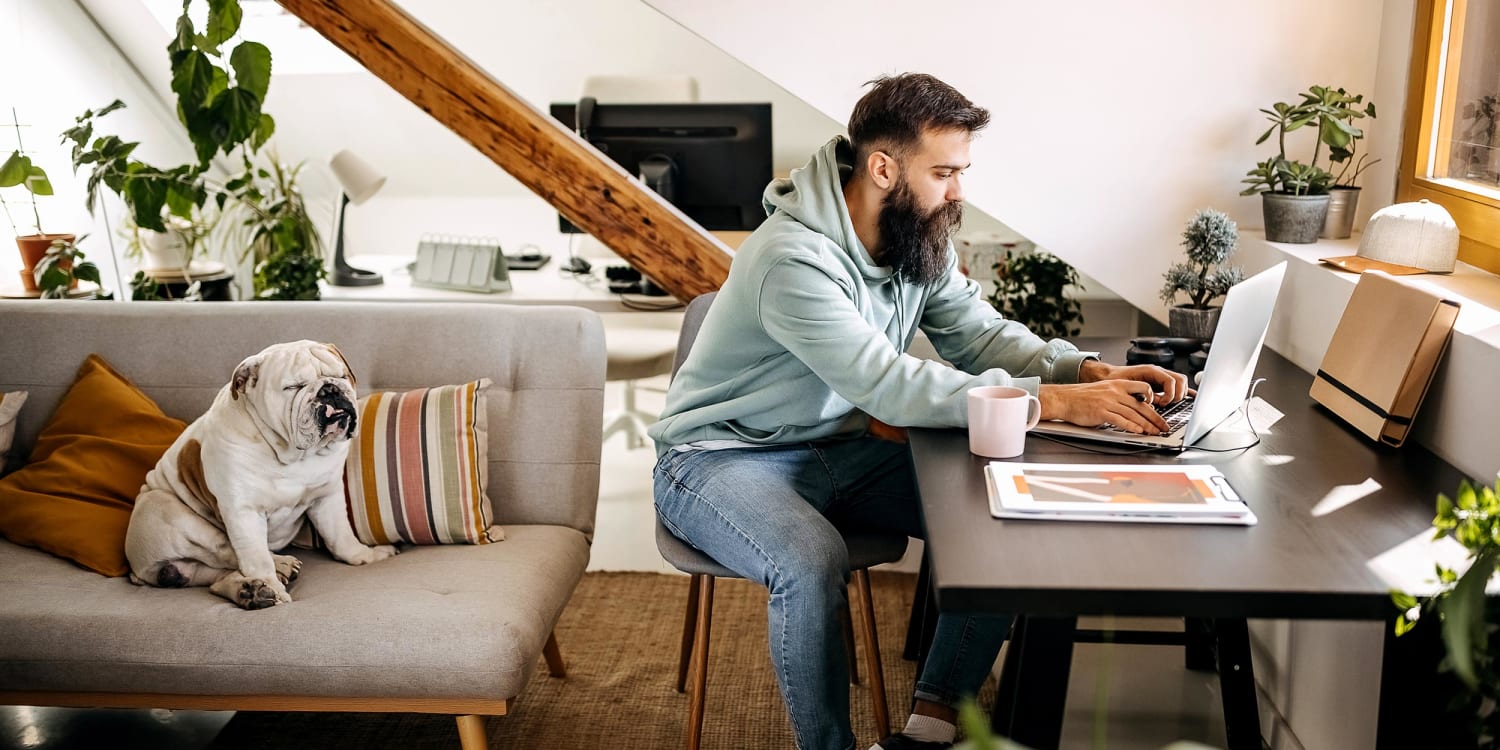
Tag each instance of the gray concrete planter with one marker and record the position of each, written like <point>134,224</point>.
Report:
<point>1295,219</point>
<point>1193,322</point>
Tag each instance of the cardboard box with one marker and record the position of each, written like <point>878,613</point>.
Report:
<point>1383,355</point>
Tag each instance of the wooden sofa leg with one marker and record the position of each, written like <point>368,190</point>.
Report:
<point>553,654</point>
<point>471,732</point>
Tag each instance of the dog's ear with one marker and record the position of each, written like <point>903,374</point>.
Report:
<point>245,376</point>
<point>347,368</point>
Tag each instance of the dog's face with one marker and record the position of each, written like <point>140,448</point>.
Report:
<point>303,391</point>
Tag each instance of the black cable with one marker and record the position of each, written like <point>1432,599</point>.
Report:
<point>1245,408</point>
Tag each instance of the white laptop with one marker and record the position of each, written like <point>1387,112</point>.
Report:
<point>1226,375</point>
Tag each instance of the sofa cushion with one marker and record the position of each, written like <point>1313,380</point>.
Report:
<point>438,621</point>
<point>74,495</point>
<point>417,472</point>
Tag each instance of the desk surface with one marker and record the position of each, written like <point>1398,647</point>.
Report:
<point>547,285</point>
<point>1342,521</point>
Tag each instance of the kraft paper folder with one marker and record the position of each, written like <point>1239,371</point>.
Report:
<point>1383,355</point>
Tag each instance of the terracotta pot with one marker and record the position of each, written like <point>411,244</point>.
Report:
<point>33,248</point>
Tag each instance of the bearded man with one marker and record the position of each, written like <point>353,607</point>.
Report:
<point>766,439</point>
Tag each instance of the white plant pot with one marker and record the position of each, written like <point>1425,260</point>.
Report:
<point>164,251</point>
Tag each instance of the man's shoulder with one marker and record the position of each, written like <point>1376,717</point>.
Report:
<point>782,238</point>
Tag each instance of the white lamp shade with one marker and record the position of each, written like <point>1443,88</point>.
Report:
<point>358,178</point>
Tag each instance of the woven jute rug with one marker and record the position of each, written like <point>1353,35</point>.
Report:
<point>620,639</point>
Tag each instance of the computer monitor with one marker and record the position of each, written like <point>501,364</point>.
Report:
<point>710,160</point>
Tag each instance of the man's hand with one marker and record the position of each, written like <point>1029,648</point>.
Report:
<point>1167,387</point>
<point>1122,403</point>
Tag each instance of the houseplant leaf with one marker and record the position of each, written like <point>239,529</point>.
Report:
<point>236,114</point>
<point>252,68</point>
<point>36,181</point>
<point>1463,616</point>
<point>263,131</point>
<point>223,21</point>
<point>13,172</point>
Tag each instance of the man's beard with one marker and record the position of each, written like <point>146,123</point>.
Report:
<point>915,244</point>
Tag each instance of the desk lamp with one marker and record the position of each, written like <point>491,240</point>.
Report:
<point>360,181</point>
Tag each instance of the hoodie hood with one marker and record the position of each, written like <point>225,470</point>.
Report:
<point>814,196</point>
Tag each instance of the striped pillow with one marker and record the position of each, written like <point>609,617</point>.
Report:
<point>10,409</point>
<point>417,472</point>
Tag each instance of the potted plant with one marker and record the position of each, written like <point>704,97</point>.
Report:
<point>1481,163</point>
<point>219,95</point>
<point>1294,195</point>
<point>1210,238</point>
<point>1470,620</point>
<point>1338,110</point>
<point>1031,288</point>
<point>60,269</point>
<point>19,171</point>
<point>279,235</point>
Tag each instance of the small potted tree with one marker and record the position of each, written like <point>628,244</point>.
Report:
<point>19,171</point>
<point>62,267</point>
<point>1210,238</point>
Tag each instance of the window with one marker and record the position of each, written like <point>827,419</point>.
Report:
<point>1451,149</point>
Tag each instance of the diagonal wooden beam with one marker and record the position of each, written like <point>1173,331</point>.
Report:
<point>585,186</point>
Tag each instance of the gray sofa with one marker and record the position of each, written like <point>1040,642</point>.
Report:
<point>445,629</point>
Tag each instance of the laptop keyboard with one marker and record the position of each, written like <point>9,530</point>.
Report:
<point>1175,414</point>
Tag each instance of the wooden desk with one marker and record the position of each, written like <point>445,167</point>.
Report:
<point>545,286</point>
<point>1309,557</point>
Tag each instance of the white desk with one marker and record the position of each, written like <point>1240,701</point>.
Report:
<point>545,286</point>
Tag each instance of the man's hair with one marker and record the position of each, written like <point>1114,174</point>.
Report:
<point>893,115</point>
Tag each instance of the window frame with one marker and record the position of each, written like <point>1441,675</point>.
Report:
<point>1477,214</point>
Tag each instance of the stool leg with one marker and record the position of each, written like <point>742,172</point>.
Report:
<point>872,653</point>
<point>633,437</point>
<point>697,698</point>
<point>851,655</point>
<point>689,623</point>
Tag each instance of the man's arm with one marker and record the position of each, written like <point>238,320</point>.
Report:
<point>809,314</point>
<point>1079,388</point>
<point>969,333</point>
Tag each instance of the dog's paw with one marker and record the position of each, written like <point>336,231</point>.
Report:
<point>260,593</point>
<point>287,568</point>
<point>367,555</point>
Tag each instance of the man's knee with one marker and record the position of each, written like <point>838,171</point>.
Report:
<point>814,559</point>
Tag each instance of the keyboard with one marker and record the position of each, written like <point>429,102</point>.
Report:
<point>1175,414</point>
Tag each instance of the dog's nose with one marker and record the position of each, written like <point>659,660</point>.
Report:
<point>329,390</point>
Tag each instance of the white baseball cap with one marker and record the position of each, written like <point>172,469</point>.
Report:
<point>1404,239</point>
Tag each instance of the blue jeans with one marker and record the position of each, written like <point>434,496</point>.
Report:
<point>769,514</point>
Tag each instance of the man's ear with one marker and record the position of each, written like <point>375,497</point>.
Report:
<point>883,169</point>
<point>245,376</point>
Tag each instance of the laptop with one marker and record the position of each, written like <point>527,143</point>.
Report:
<point>1226,375</point>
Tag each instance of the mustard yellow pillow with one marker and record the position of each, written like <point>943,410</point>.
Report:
<point>73,496</point>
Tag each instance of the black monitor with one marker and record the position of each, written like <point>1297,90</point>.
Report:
<point>710,160</point>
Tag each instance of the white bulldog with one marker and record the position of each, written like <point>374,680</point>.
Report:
<point>240,479</point>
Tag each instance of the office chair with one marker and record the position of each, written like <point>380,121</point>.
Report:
<point>866,549</point>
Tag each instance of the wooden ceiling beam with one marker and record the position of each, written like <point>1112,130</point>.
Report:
<point>587,187</point>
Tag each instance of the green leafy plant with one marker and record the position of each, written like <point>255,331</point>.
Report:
<point>1470,621</point>
<point>19,170</point>
<point>62,267</point>
<point>281,235</point>
<point>219,98</point>
<point>1333,112</point>
<point>1210,238</point>
<point>1031,288</point>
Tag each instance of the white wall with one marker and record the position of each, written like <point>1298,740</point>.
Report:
<point>54,64</point>
<point>1112,122</point>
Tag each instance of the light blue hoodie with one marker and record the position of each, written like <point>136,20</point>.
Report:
<point>807,337</point>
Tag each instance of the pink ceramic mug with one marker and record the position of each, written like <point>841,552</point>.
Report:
<point>999,416</point>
